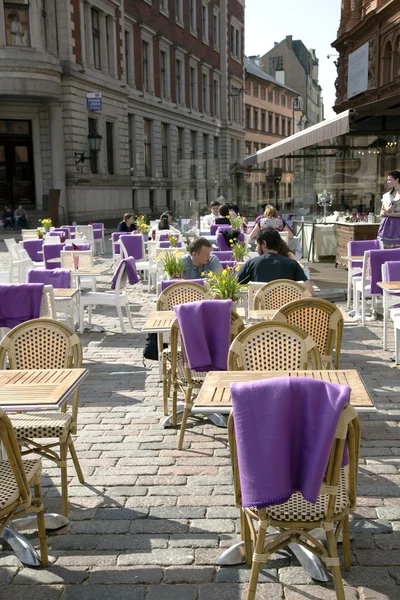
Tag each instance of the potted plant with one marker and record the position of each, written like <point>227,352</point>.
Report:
<point>224,285</point>
<point>239,250</point>
<point>173,263</point>
<point>40,234</point>
<point>236,222</point>
<point>173,240</point>
<point>47,224</point>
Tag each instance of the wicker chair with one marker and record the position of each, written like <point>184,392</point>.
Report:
<point>185,380</point>
<point>320,319</point>
<point>46,344</point>
<point>296,518</point>
<point>275,294</point>
<point>175,294</point>
<point>16,478</point>
<point>272,346</point>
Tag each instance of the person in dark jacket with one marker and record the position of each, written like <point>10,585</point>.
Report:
<point>8,218</point>
<point>127,225</point>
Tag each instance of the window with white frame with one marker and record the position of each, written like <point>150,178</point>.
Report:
<point>192,16</point>
<point>193,154</point>
<point>147,135</point>
<point>147,62</point>
<point>204,22</point>
<point>96,39</point>
<point>193,85</point>
<point>205,155</point>
<point>43,12</point>
<point>164,7</point>
<point>179,11</point>
<point>110,39</point>
<point>128,57</point>
<point>216,29</point>
<point>236,104</point>
<point>165,149</point>
<point>179,80</point>
<point>131,140</point>
<point>217,96</point>
<point>163,74</point>
<point>235,41</point>
<point>205,92</point>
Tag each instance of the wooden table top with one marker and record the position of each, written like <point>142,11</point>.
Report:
<point>353,258</point>
<point>65,292</point>
<point>267,315</point>
<point>159,321</point>
<point>389,286</point>
<point>38,389</point>
<point>215,392</point>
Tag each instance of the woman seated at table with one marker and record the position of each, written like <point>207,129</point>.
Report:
<point>270,219</point>
<point>127,225</point>
<point>167,222</point>
<point>224,214</point>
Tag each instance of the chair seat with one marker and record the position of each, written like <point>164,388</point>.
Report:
<point>9,492</point>
<point>41,425</point>
<point>298,509</point>
<point>197,376</point>
<point>167,354</point>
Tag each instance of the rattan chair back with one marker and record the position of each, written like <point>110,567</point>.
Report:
<point>320,319</point>
<point>275,294</point>
<point>12,451</point>
<point>181,293</point>
<point>337,498</point>
<point>272,346</point>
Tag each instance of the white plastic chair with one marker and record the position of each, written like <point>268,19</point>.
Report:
<point>11,246</point>
<point>86,232</point>
<point>98,227</point>
<point>117,298</point>
<point>362,289</point>
<point>25,264</point>
<point>391,307</point>
<point>141,264</point>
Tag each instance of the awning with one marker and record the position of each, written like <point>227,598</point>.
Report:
<point>321,132</point>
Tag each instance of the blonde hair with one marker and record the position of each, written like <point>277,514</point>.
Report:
<point>270,212</point>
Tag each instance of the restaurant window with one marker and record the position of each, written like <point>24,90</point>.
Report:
<point>92,127</point>
<point>110,147</point>
<point>96,38</point>
<point>147,147</point>
<point>16,16</point>
<point>165,149</point>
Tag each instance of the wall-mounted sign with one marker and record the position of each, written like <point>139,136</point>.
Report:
<point>357,78</point>
<point>94,101</point>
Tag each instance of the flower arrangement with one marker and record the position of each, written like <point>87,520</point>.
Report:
<point>173,263</point>
<point>141,224</point>
<point>239,250</point>
<point>224,285</point>
<point>173,240</point>
<point>40,234</point>
<point>47,223</point>
<point>236,222</point>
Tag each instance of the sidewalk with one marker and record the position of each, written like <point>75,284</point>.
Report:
<point>151,520</point>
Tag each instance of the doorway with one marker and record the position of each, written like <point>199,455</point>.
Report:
<point>17,184</point>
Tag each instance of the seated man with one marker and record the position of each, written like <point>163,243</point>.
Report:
<point>8,218</point>
<point>270,265</point>
<point>21,218</point>
<point>199,259</point>
<point>208,220</point>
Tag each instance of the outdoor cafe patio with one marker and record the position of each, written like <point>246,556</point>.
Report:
<point>146,498</point>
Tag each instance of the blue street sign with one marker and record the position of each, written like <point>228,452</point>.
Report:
<point>94,101</point>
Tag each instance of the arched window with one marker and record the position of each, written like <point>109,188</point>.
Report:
<point>387,63</point>
<point>396,57</point>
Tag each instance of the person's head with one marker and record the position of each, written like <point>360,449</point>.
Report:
<point>223,210</point>
<point>200,251</point>
<point>214,207</point>
<point>268,240</point>
<point>393,180</point>
<point>164,221</point>
<point>270,212</point>
<point>167,214</point>
<point>128,218</point>
<point>20,207</point>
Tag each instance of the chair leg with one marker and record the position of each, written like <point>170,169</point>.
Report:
<point>174,405</point>
<point>90,309</point>
<point>121,318</point>
<point>385,319</point>
<point>64,478</point>
<point>75,460</point>
<point>255,566</point>
<point>82,312</point>
<point>349,285</point>
<point>346,544</point>
<point>165,385</point>
<point>363,308</point>
<point>396,342</point>
<point>337,576</point>
<point>128,313</point>
<point>41,525</point>
<point>186,412</point>
<point>246,537</point>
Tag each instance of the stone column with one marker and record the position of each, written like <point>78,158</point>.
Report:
<point>103,43</point>
<point>344,16</point>
<point>355,13</point>
<point>88,30</point>
<point>36,26</point>
<point>2,29</point>
<point>83,29</point>
<point>58,154</point>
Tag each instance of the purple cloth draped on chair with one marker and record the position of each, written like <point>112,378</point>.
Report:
<point>58,278</point>
<point>167,282</point>
<point>98,229</point>
<point>213,228</point>
<point>377,258</point>
<point>130,265</point>
<point>284,430</point>
<point>357,248</point>
<point>19,302</point>
<point>223,254</point>
<point>67,232</point>
<point>34,249</point>
<point>221,242</point>
<point>52,251</point>
<point>393,274</point>
<point>228,263</point>
<point>133,245</point>
<point>205,329</point>
<point>81,246</point>
<point>115,238</point>
<point>168,245</point>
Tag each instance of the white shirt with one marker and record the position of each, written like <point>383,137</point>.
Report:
<point>208,219</point>
<point>388,200</point>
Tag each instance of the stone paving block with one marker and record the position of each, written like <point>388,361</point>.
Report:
<point>127,490</point>
<point>18,592</point>
<point>159,526</point>
<point>368,576</point>
<point>220,512</point>
<point>289,576</point>
<point>172,592</point>
<point>317,592</point>
<point>132,542</point>
<point>109,592</point>
<point>237,591</point>
<point>54,574</point>
<point>143,575</point>
<point>192,574</point>
<point>7,574</point>
<point>378,557</point>
<point>121,513</point>
<point>366,593</point>
<point>158,557</point>
<point>389,541</point>
<point>389,513</point>
<point>178,512</point>
<point>193,540</point>
<point>215,525</point>
<point>100,527</point>
<point>241,574</point>
<point>370,526</point>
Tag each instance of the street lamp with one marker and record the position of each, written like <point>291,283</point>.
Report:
<point>94,144</point>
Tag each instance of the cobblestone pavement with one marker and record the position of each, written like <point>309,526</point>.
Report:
<point>150,521</point>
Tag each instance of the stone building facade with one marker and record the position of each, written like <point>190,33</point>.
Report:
<point>369,32</point>
<point>291,63</point>
<point>170,74</point>
<point>269,118</point>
